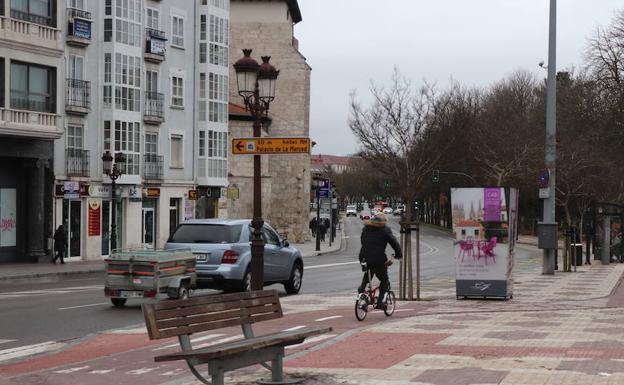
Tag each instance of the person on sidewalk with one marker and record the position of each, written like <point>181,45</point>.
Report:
<point>375,237</point>
<point>322,230</point>
<point>60,244</point>
<point>313,227</point>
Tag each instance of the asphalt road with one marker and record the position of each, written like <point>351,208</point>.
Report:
<point>37,313</point>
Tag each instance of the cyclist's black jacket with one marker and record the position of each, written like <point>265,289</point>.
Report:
<point>374,242</point>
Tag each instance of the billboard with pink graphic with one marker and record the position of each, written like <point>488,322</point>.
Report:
<point>484,224</point>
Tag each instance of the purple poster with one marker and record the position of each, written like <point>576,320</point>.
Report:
<point>492,204</point>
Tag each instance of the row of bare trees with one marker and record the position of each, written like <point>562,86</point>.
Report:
<point>496,135</point>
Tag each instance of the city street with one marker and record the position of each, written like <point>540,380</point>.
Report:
<point>44,314</point>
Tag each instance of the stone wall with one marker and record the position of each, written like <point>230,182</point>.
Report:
<point>286,180</point>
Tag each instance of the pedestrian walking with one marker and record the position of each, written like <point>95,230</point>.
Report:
<point>322,230</point>
<point>313,227</point>
<point>60,244</point>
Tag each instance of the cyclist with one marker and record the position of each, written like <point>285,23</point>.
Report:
<point>375,237</point>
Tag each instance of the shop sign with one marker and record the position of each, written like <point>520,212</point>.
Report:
<point>151,192</point>
<point>233,193</point>
<point>71,189</point>
<point>192,195</point>
<point>134,193</point>
<point>188,209</point>
<point>95,217</point>
<point>82,28</point>
<point>100,191</point>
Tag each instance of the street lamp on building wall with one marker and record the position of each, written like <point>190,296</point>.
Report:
<point>113,173</point>
<point>256,85</point>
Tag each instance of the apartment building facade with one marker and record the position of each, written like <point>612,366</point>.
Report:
<point>31,89</point>
<point>144,78</point>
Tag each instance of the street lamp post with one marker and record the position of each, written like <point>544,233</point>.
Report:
<point>256,85</point>
<point>113,173</point>
<point>319,183</point>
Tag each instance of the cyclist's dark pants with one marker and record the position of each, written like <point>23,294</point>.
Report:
<point>382,274</point>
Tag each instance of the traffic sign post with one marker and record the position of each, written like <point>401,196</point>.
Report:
<point>260,146</point>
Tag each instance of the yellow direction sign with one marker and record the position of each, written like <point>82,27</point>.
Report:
<point>257,146</point>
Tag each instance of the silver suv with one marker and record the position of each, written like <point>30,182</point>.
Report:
<point>223,252</point>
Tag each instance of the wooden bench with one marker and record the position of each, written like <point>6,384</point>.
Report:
<point>181,318</point>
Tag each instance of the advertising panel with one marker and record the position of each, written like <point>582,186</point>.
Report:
<point>8,217</point>
<point>484,224</point>
<point>82,28</point>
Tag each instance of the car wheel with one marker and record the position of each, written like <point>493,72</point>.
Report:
<point>293,285</point>
<point>119,302</point>
<point>245,284</point>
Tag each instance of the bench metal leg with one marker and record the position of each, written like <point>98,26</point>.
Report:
<point>217,378</point>
<point>277,372</point>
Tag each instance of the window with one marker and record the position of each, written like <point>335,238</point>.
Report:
<point>75,138</point>
<point>223,4</point>
<point>108,7</point>
<point>152,18</point>
<point>202,52</point>
<point>78,4</point>
<point>128,22</point>
<point>216,154</point>
<point>75,67</point>
<point>202,85</point>
<point>177,34</point>
<point>108,78</point>
<point>108,29</point>
<point>218,98</point>
<point>34,11</point>
<point>218,55</point>
<point>151,81</point>
<point>32,87</point>
<point>128,82</point>
<point>270,236</point>
<point>202,27</point>
<point>151,143</point>
<point>127,140</point>
<point>107,135</point>
<point>174,214</point>
<point>176,151</point>
<point>177,91</point>
<point>202,143</point>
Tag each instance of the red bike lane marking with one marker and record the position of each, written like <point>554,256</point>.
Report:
<point>114,346</point>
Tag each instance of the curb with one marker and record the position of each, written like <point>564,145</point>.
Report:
<point>47,276</point>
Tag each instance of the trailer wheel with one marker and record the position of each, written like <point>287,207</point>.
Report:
<point>119,302</point>
<point>183,292</point>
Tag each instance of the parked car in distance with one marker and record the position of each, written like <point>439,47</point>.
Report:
<point>223,252</point>
<point>387,210</point>
<point>351,210</point>
<point>365,215</point>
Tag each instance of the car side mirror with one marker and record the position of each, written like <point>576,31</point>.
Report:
<point>286,243</point>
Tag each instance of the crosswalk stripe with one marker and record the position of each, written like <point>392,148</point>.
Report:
<point>27,350</point>
<point>142,370</point>
<point>102,371</point>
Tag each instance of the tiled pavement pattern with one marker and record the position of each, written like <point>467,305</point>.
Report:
<point>556,330</point>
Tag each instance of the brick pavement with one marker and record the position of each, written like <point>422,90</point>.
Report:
<point>556,330</point>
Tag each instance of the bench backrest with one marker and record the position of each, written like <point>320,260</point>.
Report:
<point>186,316</point>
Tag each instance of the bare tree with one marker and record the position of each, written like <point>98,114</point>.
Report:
<point>395,134</point>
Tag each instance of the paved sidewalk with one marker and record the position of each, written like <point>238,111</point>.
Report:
<point>308,249</point>
<point>27,271</point>
<point>561,329</point>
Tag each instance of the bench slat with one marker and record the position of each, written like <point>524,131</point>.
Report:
<point>205,300</point>
<point>240,346</point>
<point>197,319</point>
<point>190,309</point>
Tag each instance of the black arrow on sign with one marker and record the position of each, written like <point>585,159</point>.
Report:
<point>240,146</point>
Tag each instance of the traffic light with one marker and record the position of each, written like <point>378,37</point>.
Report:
<point>435,177</point>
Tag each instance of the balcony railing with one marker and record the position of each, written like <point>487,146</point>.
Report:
<point>154,107</point>
<point>152,167</point>
<point>39,103</point>
<point>78,27</point>
<point>77,162</point>
<point>154,45</point>
<point>31,17</point>
<point>77,96</point>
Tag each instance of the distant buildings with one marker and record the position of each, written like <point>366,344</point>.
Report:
<point>335,163</point>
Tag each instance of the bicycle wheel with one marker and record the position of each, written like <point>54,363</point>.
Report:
<point>361,307</point>
<point>390,304</point>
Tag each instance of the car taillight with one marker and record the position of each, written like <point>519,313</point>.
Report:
<point>229,256</point>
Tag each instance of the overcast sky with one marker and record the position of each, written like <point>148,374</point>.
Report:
<point>348,43</point>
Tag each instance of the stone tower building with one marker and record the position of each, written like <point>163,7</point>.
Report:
<point>267,27</point>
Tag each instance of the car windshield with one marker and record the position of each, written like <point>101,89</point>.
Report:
<point>350,207</point>
<point>206,233</point>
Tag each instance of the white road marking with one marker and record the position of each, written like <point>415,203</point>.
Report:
<point>322,337</point>
<point>328,318</point>
<point>139,330</point>
<point>142,370</point>
<point>222,340</point>
<point>80,306</point>
<point>6,341</point>
<point>71,370</point>
<point>330,265</point>
<point>404,310</point>
<point>103,371</point>
<point>173,372</point>
<point>194,340</point>
<point>27,350</point>
<point>294,328</point>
